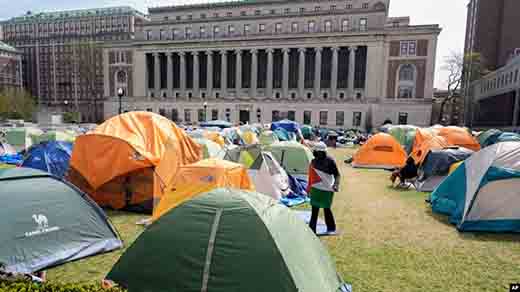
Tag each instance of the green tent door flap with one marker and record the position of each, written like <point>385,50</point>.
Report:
<point>228,240</point>
<point>46,222</point>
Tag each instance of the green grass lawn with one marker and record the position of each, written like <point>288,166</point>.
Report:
<point>390,241</point>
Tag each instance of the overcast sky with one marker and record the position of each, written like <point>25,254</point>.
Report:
<point>450,14</point>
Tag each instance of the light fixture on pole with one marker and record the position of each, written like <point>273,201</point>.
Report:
<point>205,105</point>
<point>120,93</point>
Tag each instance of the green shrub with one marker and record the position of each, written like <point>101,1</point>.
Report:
<point>23,285</point>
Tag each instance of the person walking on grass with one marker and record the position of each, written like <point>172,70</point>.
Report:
<point>324,179</point>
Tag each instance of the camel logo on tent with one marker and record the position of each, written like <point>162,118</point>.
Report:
<point>41,220</point>
<point>43,226</point>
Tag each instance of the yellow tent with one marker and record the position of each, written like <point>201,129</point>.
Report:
<point>250,138</point>
<point>215,137</point>
<point>201,177</point>
<point>2,165</point>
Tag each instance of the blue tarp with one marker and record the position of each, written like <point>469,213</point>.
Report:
<point>287,125</point>
<point>217,124</point>
<point>283,135</point>
<point>298,193</point>
<point>52,157</point>
<point>14,159</point>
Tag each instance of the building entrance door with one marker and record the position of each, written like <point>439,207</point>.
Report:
<point>244,116</point>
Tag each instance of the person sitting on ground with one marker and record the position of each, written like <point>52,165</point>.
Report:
<point>408,172</point>
<point>324,179</point>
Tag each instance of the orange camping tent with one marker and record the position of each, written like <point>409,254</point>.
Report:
<point>200,177</point>
<point>426,140</point>
<point>381,151</point>
<point>438,138</point>
<point>457,136</point>
<point>123,163</point>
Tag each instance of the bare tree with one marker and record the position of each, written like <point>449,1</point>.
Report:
<point>456,64</point>
<point>86,60</point>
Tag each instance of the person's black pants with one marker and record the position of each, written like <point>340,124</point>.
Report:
<point>329,219</point>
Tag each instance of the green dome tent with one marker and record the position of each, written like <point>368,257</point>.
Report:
<point>307,132</point>
<point>56,135</point>
<point>22,138</point>
<point>405,134</point>
<point>267,138</point>
<point>47,222</point>
<point>210,149</point>
<point>227,240</point>
<point>292,156</point>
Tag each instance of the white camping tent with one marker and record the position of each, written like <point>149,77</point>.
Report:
<point>269,177</point>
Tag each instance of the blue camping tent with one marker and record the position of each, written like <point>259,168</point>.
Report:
<point>494,136</point>
<point>482,193</point>
<point>52,157</point>
<point>289,126</point>
<point>283,135</point>
<point>216,124</point>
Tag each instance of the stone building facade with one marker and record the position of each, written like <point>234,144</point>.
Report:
<point>10,67</point>
<point>495,99</point>
<point>331,63</point>
<point>55,46</point>
<point>491,31</point>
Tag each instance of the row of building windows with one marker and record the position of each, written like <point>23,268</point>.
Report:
<point>22,44</point>
<point>231,30</point>
<point>63,26</point>
<point>277,95</point>
<point>498,82</point>
<point>259,12</point>
<point>275,116</point>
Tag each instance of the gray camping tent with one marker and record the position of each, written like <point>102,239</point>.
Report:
<point>436,166</point>
<point>46,222</point>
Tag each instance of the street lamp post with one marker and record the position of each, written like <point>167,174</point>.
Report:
<point>205,105</point>
<point>120,93</point>
<point>258,115</point>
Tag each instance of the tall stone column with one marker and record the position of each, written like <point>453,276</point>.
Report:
<point>269,81</point>
<point>254,72</point>
<point>301,73</point>
<point>209,77</point>
<point>238,69</point>
<point>106,65</point>
<point>223,73</point>
<point>351,70</point>
<point>157,75</point>
<point>196,75</point>
<point>334,73</point>
<point>170,74</point>
<point>317,72</point>
<point>182,72</point>
<point>516,111</point>
<point>285,76</point>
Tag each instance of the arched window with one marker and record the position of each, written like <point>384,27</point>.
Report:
<point>406,81</point>
<point>379,6</point>
<point>328,26</point>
